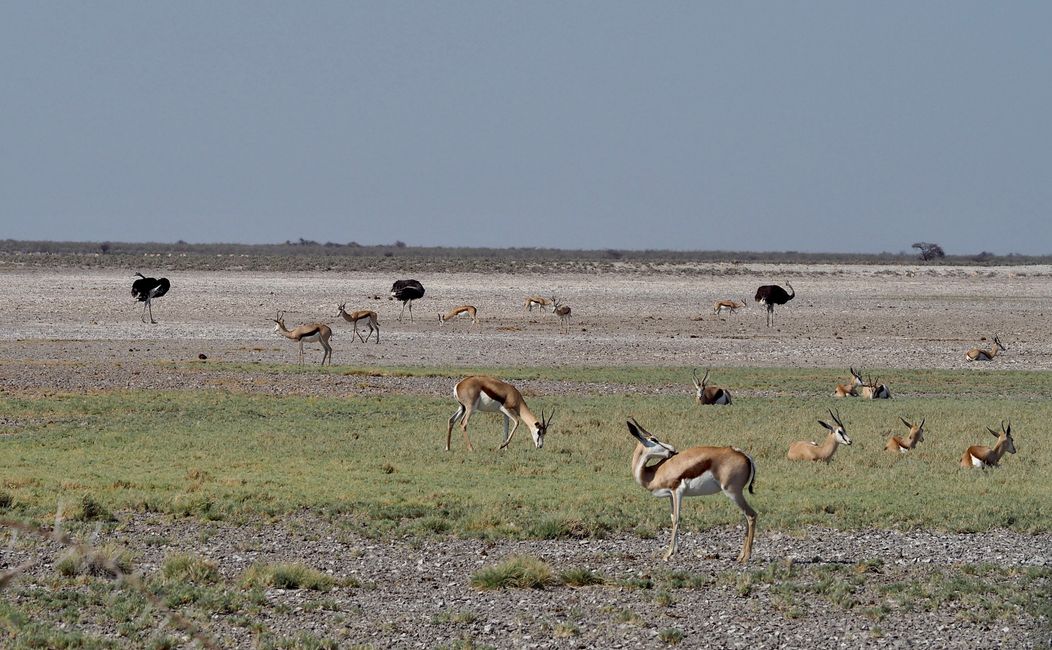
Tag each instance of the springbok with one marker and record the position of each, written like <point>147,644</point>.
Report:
<point>563,312</point>
<point>848,390</point>
<point>697,471</point>
<point>807,450</point>
<point>362,315</point>
<point>491,395</point>
<point>705,394</point>
<point>537,301</point>
<point>720,305</point>
<point>978,354</point>
<point>307,333</point>
<point>904,444</point>
<point>468,310</point>
<point>871,389</point>
<point>983,456</point>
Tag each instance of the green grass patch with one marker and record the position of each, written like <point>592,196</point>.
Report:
<point>286,576</point>
<point>377,464</point>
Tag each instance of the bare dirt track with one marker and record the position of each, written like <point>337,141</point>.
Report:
<point>79,330</point>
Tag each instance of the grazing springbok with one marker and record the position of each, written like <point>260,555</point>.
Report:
<point>355,317</point>
<point>491,395</point>
<point>463,310</point>
<point>807,450</point>
<point>537,301</point>
<point>848,390</point>
<point>719,306</point>
<point>563,312</point>
<point>904,444</point>
<point>978,354</point>
<point>697,471</point>
<point>705,394</point>
<point>983,456</point>
<point>307,333</point>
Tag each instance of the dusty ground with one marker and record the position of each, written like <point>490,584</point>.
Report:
<point>78,330</point>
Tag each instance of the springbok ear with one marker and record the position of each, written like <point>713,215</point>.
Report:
<point>923,420</point>
<point>993,433</point>
<point>1008,431</point>
<point>907,423</point>
<point>825,425</point>
<point>633,428</point>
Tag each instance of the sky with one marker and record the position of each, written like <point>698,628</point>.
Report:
<point>808,126</point>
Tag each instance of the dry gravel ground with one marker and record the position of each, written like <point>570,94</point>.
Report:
<point>65,329</point>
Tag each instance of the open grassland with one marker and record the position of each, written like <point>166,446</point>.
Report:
<point>379,461</point>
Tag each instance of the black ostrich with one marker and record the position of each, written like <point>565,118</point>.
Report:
<point>146,289</point>
<point>771,295</point>
<point>407,291</point>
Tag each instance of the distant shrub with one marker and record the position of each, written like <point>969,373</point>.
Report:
<point>110,560</point>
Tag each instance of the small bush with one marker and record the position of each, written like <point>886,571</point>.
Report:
<point>520,571</point>
<point>286,576</point>
<point>6,500</point>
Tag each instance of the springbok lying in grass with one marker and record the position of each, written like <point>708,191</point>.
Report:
<point>807,450</point>
<point>705,394</point>
<point>904,444</point>
<point>697,471</point>
<point>983,456</point>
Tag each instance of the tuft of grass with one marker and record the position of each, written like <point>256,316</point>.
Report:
<point>519,572</point>
<point>286,576</point>
<point>670,635</point>
<point>109,560</point>
<point>186,567</point>
<point>6,500</point>
<point>581,578</point>
<point>88,509</point>
<point>566,631</point>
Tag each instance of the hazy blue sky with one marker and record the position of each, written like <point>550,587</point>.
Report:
<point>812,126</point>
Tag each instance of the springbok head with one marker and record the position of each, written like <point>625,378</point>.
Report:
<point>918,428</point>
<point>1006,434</point>
<point>654,447</point>
<point>699,386</point>
<point>997,342</point>
<point>541,428</point>
<point>279,321</point>
<point>838,431</point>
<point>341,309</point>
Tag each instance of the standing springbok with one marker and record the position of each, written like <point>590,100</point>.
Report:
<point>979,354</point>
<point>697,471</point>
<point>563,312</point>
<point>468,310</point>
<point>537,301</point>
<point>807,450</point>
<point>307,333</point>
<point>491,395</point>
<point>983,456</point>
<point>848,390</point>
<point>705,394</point>
<point>362,315</point>
<point>900,444</point>
<point>720,305</point>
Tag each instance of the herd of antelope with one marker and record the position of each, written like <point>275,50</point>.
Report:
<point>656,465</point>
